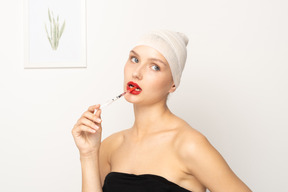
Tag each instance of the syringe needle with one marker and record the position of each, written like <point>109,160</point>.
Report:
<point>114,99</point>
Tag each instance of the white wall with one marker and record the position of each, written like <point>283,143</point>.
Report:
<point>233,90</point>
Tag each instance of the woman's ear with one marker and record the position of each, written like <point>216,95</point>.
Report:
<point>172,89</point>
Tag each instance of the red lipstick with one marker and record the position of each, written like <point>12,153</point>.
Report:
<point>137,90</point>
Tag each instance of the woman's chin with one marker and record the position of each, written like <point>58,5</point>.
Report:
<point>128,98</point>
<point>131,99</point>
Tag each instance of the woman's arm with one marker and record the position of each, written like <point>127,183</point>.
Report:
<point>87,136</point>
<point>90,173</point>
<point>208,166</point>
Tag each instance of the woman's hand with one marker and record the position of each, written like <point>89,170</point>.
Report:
<point>87,131</point>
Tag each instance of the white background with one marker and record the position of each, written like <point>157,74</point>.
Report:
<point>233,90</point>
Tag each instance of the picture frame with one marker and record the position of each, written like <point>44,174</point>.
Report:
<point>54,34</point>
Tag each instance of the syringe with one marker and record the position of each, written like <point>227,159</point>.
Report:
<point>115,98</point>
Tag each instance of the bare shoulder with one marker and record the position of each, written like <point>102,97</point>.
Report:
<point>194,147</point>
<point>190,140</point>
<point>113,141</point>
<point>204,162</point>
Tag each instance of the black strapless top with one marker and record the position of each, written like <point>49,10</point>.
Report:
<point>125,182</point>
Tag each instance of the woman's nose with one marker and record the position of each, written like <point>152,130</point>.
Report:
<point>138,73</point>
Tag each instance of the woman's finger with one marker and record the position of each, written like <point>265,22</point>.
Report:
<point>98,113</point>
<point>92,117</point>
<point>93,107</point>
<point>83,128</point>
<point>77,131</point>
<point>89,123</point>
<point>87,129</point>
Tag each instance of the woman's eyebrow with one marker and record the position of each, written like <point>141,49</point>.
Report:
<point>158,60</point>
<point>134,53</point>
<point>152,59</point>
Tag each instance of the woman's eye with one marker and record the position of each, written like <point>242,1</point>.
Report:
<point>156,68</point>
<point>134,60</point>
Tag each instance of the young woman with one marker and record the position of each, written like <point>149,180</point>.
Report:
<point>160,152</point>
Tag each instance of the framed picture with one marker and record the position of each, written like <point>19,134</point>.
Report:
<point>54,33</point>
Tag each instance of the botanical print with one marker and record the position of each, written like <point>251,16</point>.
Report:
<point>55,34</point>
<point>55,31</point>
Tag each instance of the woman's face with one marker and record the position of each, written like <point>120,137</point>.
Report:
<point>148,70</point>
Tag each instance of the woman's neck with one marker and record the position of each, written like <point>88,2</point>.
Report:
<point>149,119</point>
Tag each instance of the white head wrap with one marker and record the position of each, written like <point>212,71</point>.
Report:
<point>172,45</point>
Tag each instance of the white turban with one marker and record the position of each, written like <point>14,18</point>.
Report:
<point>172,45</point>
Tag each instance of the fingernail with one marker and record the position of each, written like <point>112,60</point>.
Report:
<point>96,127</point>
<point>98,120</point>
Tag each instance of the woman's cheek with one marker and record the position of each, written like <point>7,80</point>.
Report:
<point>126,70</point>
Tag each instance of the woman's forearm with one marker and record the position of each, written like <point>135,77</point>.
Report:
<point>90,173</point>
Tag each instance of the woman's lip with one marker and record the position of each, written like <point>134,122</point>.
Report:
<point>134,92</point>
<point>134,84</point>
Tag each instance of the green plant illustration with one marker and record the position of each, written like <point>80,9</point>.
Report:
<point>55,31</point>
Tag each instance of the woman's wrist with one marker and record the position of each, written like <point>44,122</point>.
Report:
<point>89,155</point>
